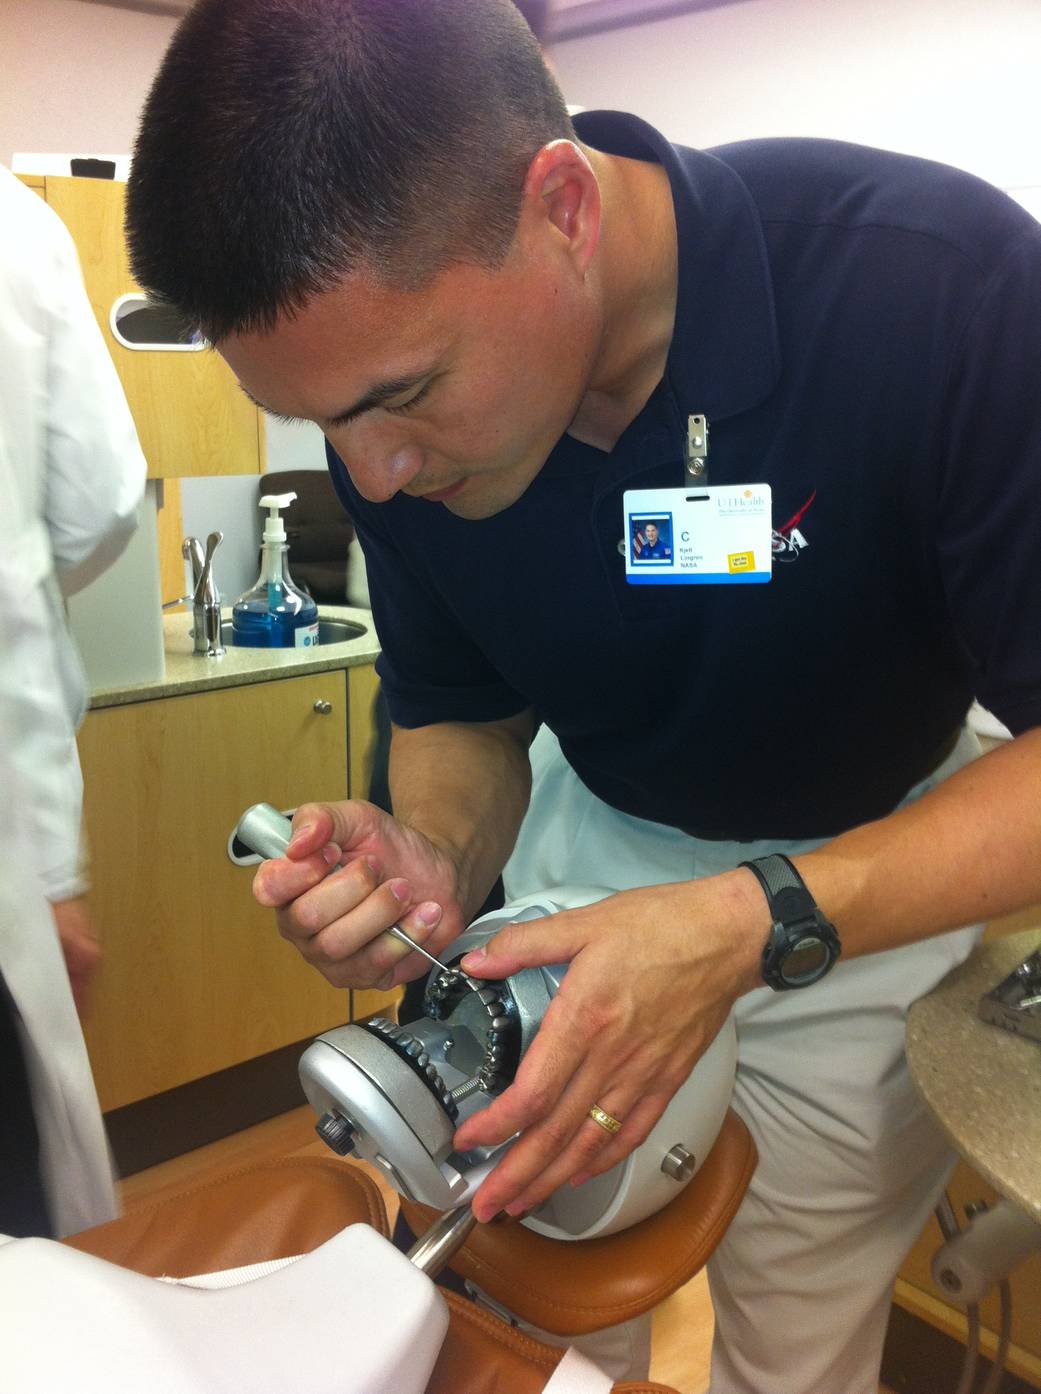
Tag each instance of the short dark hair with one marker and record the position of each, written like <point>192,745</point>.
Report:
<point>285,143</point>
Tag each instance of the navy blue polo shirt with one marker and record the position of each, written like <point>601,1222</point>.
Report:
<point>863,332</point>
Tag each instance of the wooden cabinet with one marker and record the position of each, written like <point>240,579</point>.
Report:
<point>363,687</point>
<point>917,1294</point>
<point>363,694</point>
<point>195,977</point>
<point>191,416</point>
<point>915,1291</point>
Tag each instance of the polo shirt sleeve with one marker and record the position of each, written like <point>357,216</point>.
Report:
<point>988,531</point>
<point>431,671</point>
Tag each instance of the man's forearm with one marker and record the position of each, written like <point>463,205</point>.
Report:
<point>967,851</point>
<point>466,787</point>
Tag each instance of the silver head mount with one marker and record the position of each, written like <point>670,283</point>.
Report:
<point>394,1095</point>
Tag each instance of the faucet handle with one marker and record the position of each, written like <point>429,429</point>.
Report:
<point>207,619</point>
<point>206,586</point>
<point>191,550</point>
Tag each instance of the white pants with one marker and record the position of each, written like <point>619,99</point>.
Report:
<point>850,1161</point>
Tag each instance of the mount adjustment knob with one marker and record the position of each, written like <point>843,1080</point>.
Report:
<point>336,1132</point>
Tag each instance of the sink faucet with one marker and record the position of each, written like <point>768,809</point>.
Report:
<point>205,599</point>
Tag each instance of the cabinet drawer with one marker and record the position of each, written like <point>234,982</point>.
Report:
<point>195,977</point>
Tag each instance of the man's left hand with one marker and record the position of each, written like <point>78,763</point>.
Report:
<point>653,975</point>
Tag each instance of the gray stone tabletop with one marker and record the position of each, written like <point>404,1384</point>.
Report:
<point>982,1082</point>
<point>186,671</point>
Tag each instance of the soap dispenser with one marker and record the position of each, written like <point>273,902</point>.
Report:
<point>275,614</point>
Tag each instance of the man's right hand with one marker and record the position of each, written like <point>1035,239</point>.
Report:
<point>385,874</point>
<point>79,945</point>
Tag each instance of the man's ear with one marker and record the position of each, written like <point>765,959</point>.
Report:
<point>562,195</point>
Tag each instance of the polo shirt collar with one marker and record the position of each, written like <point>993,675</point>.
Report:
<point>724,357</point>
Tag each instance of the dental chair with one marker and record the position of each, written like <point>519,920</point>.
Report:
<point>352,1316</point>
<point>313,1206</point>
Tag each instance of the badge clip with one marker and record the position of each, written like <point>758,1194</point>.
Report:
<point>697,451</point>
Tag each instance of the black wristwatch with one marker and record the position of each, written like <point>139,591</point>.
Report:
<point>803,945</point>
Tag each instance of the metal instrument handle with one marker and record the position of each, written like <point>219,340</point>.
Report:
<point>445,1237</point>
<point>266,831</point>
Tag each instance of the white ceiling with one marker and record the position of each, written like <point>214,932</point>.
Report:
<point>569,18</point>
<point>162,7</point>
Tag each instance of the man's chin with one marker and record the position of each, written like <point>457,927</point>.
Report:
<point>483,499</point>
<point>474,508</point>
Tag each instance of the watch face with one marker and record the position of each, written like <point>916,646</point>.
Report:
<point>806,961</point>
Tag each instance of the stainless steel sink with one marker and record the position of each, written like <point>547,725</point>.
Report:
<point>330,632</point>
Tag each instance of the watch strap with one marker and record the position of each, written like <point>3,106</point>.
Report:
<point>775,874</point>
<point>796,919</point>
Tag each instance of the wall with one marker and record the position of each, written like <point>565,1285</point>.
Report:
<point>75,75</point>
<point>953,80</point>
<point>957,80</point>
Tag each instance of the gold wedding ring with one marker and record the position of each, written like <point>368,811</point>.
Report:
<point>605,1120</point>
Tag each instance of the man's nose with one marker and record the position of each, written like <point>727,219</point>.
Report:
<point>379,474</point>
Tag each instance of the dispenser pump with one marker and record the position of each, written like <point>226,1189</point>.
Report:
<point>274,527</point>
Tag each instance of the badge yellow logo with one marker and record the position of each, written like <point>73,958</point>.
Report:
<point>741,561</point>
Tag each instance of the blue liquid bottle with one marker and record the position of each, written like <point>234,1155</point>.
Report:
<point>275,614</point>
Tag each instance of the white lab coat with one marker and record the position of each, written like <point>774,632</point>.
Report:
<point>71,482</point>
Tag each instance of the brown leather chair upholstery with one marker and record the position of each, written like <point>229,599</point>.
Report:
<point>282,1208</point>
<point>571,1289</point>
<point>482,1355</point>
<point>271,1210</point>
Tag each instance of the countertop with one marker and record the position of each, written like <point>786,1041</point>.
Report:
<point>983,1083</point>
<point>188,672</point>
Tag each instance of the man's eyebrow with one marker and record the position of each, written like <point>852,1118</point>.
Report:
<point>375,397</point>
<point>270,411</point>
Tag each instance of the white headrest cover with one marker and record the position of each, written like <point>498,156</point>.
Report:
<point>353,1317</point>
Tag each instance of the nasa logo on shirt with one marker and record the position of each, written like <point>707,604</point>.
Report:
<point>787,543</point>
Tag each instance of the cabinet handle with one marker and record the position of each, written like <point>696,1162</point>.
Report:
<point>322,707</point>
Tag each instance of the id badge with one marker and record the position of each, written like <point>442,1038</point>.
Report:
<point>698,536</point>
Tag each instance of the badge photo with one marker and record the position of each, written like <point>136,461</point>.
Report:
<point>650,539</point>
